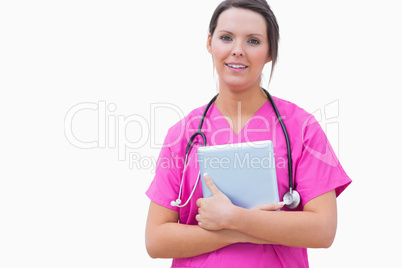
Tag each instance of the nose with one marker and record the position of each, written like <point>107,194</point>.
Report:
<point>237,53</point>
<point>237,50</point>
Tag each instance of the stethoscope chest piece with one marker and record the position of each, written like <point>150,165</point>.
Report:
<point>291,199</point>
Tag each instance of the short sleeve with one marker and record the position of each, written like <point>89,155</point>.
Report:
<point>318,170</point>
<point>166,183</point>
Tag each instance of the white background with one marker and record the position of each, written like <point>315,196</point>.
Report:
<point>64,206</point>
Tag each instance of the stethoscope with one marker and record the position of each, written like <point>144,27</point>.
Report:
<point>291,198</point>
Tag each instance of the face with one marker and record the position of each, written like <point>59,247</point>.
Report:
<point>239,47</point>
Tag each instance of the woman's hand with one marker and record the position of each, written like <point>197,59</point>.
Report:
<point>215,212</point>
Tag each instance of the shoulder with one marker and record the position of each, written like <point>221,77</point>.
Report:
<point>291,112</point>
<point>301,125</point>
<point>179,133</point>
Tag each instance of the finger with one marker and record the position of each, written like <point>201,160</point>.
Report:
<point>198,218</point>
<point>269,207</point>
<point>211,185</point>
<point>198,202</point>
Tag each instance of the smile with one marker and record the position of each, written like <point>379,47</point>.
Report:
<point>235,66</point>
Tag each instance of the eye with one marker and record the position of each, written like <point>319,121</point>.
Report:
<point>226,38</point>
<point>254,41</point>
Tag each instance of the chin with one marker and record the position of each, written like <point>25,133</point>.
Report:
<point>237,86</point>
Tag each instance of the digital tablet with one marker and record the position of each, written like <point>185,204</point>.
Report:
<point>244,172</point>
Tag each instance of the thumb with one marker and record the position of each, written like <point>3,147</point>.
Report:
<point>211,185</point>
<point>269,207</point>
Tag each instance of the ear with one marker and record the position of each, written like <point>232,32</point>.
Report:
<point>209,43</point>
<point>268,59</point>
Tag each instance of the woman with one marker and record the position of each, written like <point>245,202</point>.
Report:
<point>212,232</point>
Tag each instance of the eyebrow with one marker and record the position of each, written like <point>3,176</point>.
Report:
<point>229,32</point>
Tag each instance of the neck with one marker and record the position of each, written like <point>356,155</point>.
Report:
<point>239,106</point>
<point>246,102</point>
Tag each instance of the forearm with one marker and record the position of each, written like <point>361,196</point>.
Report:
<point>174,240</point>
<point>296,229</point>
<point>315,227</point>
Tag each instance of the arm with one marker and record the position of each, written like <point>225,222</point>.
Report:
<point>314,227</point>
<point>165,238</point>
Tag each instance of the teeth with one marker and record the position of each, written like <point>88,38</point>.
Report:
<point>237,66</point>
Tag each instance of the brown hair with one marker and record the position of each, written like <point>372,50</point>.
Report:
<point>262,8</point>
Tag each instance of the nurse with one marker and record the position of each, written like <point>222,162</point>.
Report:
<point>212,232</point>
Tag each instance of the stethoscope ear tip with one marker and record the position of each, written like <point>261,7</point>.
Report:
<point>175,203</point>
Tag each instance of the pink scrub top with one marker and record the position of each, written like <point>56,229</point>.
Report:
<point>316,170</point>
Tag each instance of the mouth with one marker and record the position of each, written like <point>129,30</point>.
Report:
<point>236,66</point>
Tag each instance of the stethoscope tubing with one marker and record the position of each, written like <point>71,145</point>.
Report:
<point>278,115</point>
<point>199,132</point>
<point>285,133</point>
<point>292,196</point>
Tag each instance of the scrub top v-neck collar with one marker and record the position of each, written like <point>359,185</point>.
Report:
<point>218,120</point>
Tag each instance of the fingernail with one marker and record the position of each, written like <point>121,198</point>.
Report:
<point>206,176</point>
<point>281,204</point>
